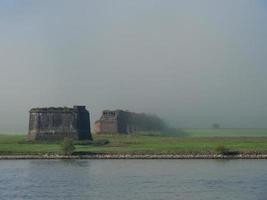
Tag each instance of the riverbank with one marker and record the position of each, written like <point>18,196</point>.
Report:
<point>139,145</point>
<point>132,156</point>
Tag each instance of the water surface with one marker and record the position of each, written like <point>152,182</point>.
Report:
<point>133,179</point>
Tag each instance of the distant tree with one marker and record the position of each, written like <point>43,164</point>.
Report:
<point>216,126</point>
<point>67,146</point>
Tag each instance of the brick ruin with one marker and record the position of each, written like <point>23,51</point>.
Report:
<point>58,123</point>
<point>119,121</point>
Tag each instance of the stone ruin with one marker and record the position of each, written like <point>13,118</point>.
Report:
<point>58,123</point>
<point>119,121</point>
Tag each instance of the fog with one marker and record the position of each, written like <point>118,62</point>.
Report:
<point>193,63</point>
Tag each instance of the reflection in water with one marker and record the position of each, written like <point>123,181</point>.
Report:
<point>133,179</point>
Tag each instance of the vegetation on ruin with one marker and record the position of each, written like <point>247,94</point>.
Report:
<point>183,142</point>
<point>54,109</point>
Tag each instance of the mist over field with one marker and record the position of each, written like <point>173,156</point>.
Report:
<point>193,63</point>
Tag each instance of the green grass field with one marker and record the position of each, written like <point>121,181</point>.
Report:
<point>194,141</point>
<point>226,132</point>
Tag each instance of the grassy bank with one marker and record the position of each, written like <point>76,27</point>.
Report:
<point>225,132</point>
<point>146,143</point>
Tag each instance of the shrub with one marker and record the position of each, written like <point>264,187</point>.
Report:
<point>101,142</point>
<point>221,149</point>
<point>67,146</point>
<point>83,142</point>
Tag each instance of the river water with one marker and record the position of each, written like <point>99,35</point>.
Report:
<point>133,179</point>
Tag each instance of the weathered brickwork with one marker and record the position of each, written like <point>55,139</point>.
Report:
<point>119,121</point>
<point>58,123</point>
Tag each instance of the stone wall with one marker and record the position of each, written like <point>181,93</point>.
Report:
<point>58,123</point>
<point>108,122</point>
<point>119,121</point>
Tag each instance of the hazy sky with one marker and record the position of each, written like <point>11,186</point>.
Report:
<point>191,62</point>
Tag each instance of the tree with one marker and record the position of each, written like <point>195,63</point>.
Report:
<point>67,146</point>
<point>216,126</point>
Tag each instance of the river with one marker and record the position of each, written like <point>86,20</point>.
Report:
<point>133,179</point>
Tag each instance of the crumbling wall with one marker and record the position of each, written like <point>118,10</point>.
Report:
<point>108,122</point>
<point>120,121</point>
<point>58,123</point>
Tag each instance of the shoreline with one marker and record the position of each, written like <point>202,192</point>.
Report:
<point>131,156</point>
